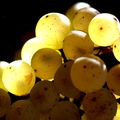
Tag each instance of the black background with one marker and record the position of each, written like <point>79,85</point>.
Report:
<point>18,19</point>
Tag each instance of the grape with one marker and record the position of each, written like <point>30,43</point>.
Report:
<point>84,117</point>
<point>88,74</point>
<point>71,11</point>
<point>116,49</point>
<point>83,17</point>
<point>30,47</point>
<point>3,65</point>
<point>117,116</point>
<point>18,78</point>
<point>104,29</point>
<point>100,105</point>
<point>64,110</point>
<point>44,95</point>
<point>63,81</point>
<point>5,102</point>
<point>45,62</point>
<point>53,27</point>
<point>21,110</point>
<point>113,79</point>
<point>44,116</point>
<point>77,43</point>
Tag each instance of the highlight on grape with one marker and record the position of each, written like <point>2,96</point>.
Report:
<point>61,72</point>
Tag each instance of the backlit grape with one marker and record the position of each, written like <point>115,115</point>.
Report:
<point>104,29</point>
<point>18,78</point>
<point>53,27</point>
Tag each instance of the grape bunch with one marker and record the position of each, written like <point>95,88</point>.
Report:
<point>61,73</point>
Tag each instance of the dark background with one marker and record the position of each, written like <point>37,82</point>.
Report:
<point>18,19</point>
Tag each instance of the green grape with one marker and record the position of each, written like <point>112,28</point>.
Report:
<point>100,105</point>
<point>63,83</point>
<point>83,17</point>
<point>18,78</point>
<point>113,79</point>
<point>5,102</point>
<point>45,62</point>
<point>3,65</point>
<point>88,74</point>
<point>53,27</point>
<point>21,110</point>
<point>76,44</point>
<point>104,29</point>
<point>71,11</point>
<point>44,95</point>
<point>30,47</point>
<point>117,116</point>
<point>64,110</point>
<point>84,117</point>
<point>116,49</point>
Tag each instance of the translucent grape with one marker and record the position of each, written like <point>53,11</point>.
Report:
<point>71,11</point>
<point>76,44</point>
<point>83,17</point>
<point>45,62</point>
<point>104,29</point>
<point>65,110</point>
<point>100,105</point>
<point>88,74</point>
<point>116,49</point>
<point>18,78</point>
<point>30,47</point>
<point>63,83</point>
<point>53,27</point>
<point>44,95</point>
<point>3,65</point>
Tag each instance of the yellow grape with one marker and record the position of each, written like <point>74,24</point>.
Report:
<point>18,78</point>
<point>44,95</point>
<point>83,17</point>
<point>5,102</point>
<point>113,79</point>
<point>104,29</point>
<point>71,11</point>
<point>53,27</point>
<point>45,62</point>
<point>3,65</point>
<point>100,105</point>
<point>64,110</point>
<point>76,44</point>
<point>30,47</point>
<point>21,110</point>
<point>63,83</point>
<point>88,74</point>
<point>116,49</point>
